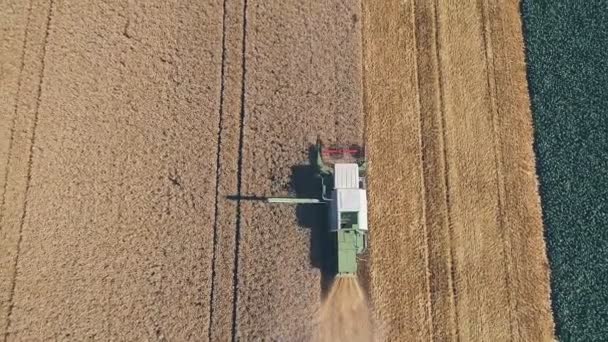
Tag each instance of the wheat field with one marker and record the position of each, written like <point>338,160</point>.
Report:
<point>458,250</point>
<point>131,132</point>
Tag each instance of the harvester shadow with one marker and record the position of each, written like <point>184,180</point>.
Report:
<point>306,183</point>
<point>246,198</point>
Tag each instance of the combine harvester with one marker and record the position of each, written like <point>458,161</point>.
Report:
<point>343,188</point>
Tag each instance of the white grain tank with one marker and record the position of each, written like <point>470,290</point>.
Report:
<point>348,207</point>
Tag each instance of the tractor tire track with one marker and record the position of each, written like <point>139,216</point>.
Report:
<point>222,301</point>
<point>13,119</point>
<point>423,212</point>
<point>218,168</point>
<point>495,114</point>
<point>451,327</point>
<point>239,186</point>
<point>30,159</point>
<point>19,165</point>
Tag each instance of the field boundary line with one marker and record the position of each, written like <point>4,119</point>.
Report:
<point>363,76</point>
<point>423,220</point>
<point>29,170</point>
<point>220,129</point>
<point>335,126</point>
<point>492,94</point>
<point>14,118</point>
<point>446,180</point>
<point>239,187</point>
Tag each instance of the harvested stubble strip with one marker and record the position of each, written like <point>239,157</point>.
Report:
<point>302,79</point>
<point>458,248</point>
<point>117,114</point>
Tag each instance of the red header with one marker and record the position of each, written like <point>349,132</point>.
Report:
<point>339,150</point>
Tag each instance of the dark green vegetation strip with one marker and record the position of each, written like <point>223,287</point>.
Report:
<point>567,51</point>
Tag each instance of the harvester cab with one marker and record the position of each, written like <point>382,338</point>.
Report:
<point>342,170</point>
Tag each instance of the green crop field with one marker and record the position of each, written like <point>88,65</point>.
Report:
<point>567,51</point>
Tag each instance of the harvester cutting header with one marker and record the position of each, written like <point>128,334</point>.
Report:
<point>342,170</point>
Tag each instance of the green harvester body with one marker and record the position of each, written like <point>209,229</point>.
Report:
<point>349,244</point>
